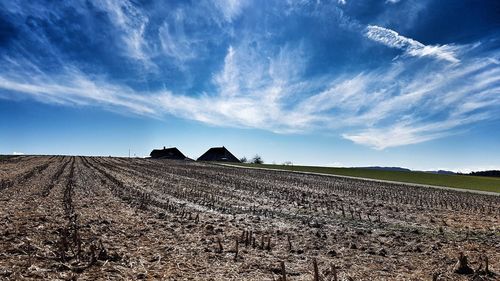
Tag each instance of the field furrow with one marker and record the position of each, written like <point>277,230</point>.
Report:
<point>101,218</point>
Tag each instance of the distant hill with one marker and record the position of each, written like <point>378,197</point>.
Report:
<point>491,173</point>
<point>386,168</point>
<point>441,172</point>
<point>399,169</point>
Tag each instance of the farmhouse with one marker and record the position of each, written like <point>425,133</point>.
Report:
<point>218,154</point>
<point>167,153</point>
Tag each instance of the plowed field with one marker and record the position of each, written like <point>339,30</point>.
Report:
<point>96,218</point>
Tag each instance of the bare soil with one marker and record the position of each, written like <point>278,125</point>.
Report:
<point>96,218</point>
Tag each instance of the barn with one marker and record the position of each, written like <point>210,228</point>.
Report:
<point>218,154</point>
<point>167,153</point>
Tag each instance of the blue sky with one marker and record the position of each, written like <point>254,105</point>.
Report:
<point>413,83</point>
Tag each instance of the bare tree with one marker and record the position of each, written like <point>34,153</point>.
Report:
<point>243,159</point>
<point>257,159</point>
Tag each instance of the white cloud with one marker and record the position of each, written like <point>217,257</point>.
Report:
<point>396,135</point>
<point>412,47</point>
<point>383,108</point>
<point>174,41</point>
<point>261,85</point>
<point>334,164</point>
<point>131,22</point>
<point>228,78</point>
<point>75,88</point>
<point>230,9</point>
<point>17,153</point>
<point>412,130</point>
<point>466,170</point>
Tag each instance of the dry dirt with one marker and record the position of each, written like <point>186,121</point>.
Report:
<point>96,218</point>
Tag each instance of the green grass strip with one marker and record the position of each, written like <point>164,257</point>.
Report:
<point>455,181</point>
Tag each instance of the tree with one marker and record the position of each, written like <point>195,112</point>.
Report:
<point>257,159</point>
<point>243,159</point>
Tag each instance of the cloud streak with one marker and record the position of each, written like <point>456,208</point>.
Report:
<point>412,47</point>
<point>132,23</point>
<point>367,108</point>
<point>230,9</point>
<point>254,78</point>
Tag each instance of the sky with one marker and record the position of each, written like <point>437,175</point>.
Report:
<point>411,83</point>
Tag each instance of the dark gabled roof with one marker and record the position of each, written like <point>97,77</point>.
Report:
<point>167,153</point>
<point>218,154</point>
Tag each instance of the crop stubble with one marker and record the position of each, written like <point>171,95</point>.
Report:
<point>95,218</point>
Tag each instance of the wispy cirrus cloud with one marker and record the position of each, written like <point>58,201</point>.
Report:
<point>410,132</point>
<point>230,9</point>
<point>131,22</point>
<point>174,42</point>
<point>412,47</point>
<point>259,77</point>
<point>432,105</point>
<point>383,108</point>
<point>71,87</point>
